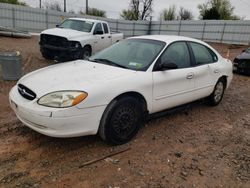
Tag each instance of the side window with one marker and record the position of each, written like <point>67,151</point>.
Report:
<point>202,54</point>
<point>177,53</point>
<point>105,26</point>
<point>98,29</point>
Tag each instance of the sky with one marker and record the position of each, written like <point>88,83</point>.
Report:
<point>114,7</point>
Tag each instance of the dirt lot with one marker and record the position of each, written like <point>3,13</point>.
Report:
<point>201,146</point>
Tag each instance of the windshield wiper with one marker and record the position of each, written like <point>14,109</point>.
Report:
<point>108,62</point>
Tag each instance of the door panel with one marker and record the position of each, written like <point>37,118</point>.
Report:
<point>172,88</point>
<point>99,43</point>
<point>203,81</point>
<point>207,70</point>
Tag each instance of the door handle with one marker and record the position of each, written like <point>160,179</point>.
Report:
<point>109,36</point>
<point>102,37</point>
<point>190,75</point>
<point>216,71</point>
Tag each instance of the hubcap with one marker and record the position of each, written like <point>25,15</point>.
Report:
<point>218,91</point>
<point>124,120</point>
<point>86,55</point>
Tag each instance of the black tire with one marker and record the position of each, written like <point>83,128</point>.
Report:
<point>47,54</point>
<point>121,121</point>
<point>86,52</point>
<point>217,95</point>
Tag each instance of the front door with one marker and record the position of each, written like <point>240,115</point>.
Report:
<point>99,42</point>
<point>173,87</point>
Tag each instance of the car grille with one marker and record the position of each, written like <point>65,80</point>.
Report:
<point>54,40</point>
<point>26,92</point>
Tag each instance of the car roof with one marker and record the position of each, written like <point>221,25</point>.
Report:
<point>88,20</point>
<point>169,38</point>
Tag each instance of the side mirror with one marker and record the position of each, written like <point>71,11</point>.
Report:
<point>167,65</point>
<point>98,32</point>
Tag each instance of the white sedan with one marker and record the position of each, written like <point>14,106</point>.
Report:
<point>113,92</point>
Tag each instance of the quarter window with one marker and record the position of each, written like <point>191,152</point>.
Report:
<point>202,54</point>
<point>105,26</point>
<point>177,53</point>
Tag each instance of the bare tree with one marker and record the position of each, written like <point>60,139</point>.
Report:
<point>168,14</point>
<point>185,14</point>
<point>138,10</point>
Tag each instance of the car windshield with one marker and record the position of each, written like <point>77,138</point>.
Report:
<point>78,25</point>
<point>247,50</point>
<point>135,54</point>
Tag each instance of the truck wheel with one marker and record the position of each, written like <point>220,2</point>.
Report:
<point>86,52</point>
<point>47,55</point>
<point>121,121</point>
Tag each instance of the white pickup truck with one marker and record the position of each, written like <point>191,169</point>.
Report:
<point>76,38</point>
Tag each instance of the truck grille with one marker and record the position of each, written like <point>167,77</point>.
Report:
<point>26,92</point>
<point>53,40</point>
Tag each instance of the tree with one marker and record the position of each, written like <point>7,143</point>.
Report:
<point>185,14</point>
<point>94,12</point>
<point>15,2</point>
<point>169,14</point>
<point>217,9</point>
<point>138,10</point>
<point>53,6</point>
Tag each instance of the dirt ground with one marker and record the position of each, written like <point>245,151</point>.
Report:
<point>200,146</point>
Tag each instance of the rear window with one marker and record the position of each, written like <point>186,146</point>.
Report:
<point>202,54</point>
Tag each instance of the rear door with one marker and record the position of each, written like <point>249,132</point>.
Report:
<point>173,87</point>
<point>207,70</point>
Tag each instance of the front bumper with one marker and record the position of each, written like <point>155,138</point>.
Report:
<point>241,68</point>
<point>62,53</point>
<point>66,122</point>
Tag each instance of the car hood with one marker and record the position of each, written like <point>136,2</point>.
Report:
<point>67,33</point>
<point>244,55</point>
<point>77,75</point>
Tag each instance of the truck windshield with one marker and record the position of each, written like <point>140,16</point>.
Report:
<point>78,25</point>
<point>135,54</point>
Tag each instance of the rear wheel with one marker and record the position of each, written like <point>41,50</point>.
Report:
<point>121,121</point>
<point>217,95</point>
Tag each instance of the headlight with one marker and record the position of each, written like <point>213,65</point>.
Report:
<point>62,99</point>
<point>75,44</point>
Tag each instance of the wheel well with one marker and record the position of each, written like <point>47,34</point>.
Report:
<point>224,78</point>
<point>136,95</point>
<point>88,46</point>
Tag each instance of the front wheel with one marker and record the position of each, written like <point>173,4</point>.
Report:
<point>217,95</point>
<point>86,52</point>
<point>121,121</point>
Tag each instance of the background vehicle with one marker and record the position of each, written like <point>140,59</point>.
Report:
<point>242,62</point>
<point>77,38</point>
<point>113,92</point>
